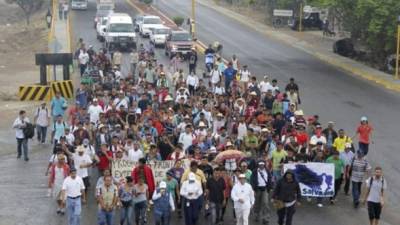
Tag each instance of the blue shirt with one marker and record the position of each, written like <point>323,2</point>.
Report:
<point>59,130</point>
<point>229,73</point>
<point>57,106</point>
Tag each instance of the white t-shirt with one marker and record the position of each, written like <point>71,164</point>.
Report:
<point>265,86</point>
<point>242,131</point>
<point>81,160</point>
<point>314,140</point>
<point>73,187</point>
<point>186,140</point>
<point>219,90</point>
<point>215,76</point>
<point>245,75</point>
<point>83,58</point>
<point>118,102</point>
<point>94,112</point>
<point>42,117</point>
<point>134,156</point>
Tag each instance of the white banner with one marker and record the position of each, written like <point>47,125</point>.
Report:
<point>122,168</point>
<point>283,12</point>
<point>316,179</point>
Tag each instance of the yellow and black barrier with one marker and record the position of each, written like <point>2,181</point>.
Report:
<point>65,87</point>
<point>35,93</point>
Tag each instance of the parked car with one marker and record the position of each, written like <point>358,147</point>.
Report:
<point>310,21</point>
<point>178,42</point>
<point>344,47</point>
<point>149,23</point>
<point>158,36</point>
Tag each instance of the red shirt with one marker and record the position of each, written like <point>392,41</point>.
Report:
<point>104,162</point>
<point>302,138</point>
<point>363,133</point>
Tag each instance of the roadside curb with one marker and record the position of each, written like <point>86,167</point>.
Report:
<point>387,82</point>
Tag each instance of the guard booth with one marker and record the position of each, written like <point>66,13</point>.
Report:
<point>45,90</point>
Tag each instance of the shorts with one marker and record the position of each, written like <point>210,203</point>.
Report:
<point>374,210</point>
<point>86,182</point>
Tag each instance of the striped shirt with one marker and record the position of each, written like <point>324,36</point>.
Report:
<point>359,168</point>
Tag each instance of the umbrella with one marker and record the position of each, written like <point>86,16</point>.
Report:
<point>229,154</point>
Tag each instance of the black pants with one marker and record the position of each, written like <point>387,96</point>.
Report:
<point>338,183</point>
<point>191,90</point>
<point>374,210</point>
<point>286,212</point>
<point>364,147</point>
<point>192,68</point>
<point>346,185</point>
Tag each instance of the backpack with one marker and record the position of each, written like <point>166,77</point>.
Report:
<point>29,131</point>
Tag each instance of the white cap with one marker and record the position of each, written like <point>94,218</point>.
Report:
<point>242,175</point>
<point>220,114</point>
<point>168,98</point>
<point>202,124</point>
<point>80,148</point>
<point>192,176</point>
<point>228,144</point>
<point>364,118</point>
<point>253,93</point>
<point>264,130</point>
<point>213,149</point>
<point>347,145</point>
<point>299,113</point>
<point>163,184</point>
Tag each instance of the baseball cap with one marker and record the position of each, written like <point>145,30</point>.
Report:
<point>80,148</point>
<point>163,184</point>
<point>242,175</point>
<point>192,176</point>
<point>364,118</point>
<point>347,145</point>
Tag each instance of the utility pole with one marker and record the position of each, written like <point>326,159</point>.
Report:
<point>396,75</point>
<point>193,23</point>
<point>301,17</point>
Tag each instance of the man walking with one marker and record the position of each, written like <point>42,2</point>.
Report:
<point>243,200</point>
<point>285,197</point>
<point>215,196</point>
<point>261,182</point>
<point>358,167</point>
<point>19,125</point>
<point>73,190</point>
<point>191,191</point>
<point>192,61</point>
<point>42,120</point>
<point>83,60</point>
<point>374,197</point>
<point>163,204</point>
<point>107,199</point>
<point>339,168</point>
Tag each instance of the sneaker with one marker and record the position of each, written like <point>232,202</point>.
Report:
<point>320,205</point>
<point>58,210</point>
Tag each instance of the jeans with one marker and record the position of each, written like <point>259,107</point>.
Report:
<point>22,145</point>
<point>41,133</point>
<point>133,69</point>
<point>192,211</point>
<point>74,211</point>
<point>126,215</point>
<point>261,206</point>
<point>364,147</point>
<point>140,212</point>
<point>105,217</point>
<point>242,216</point>
<point>277,175</point>
<point>162,218</point>
<point>356,190</point>
<point>192,68</point>
<point>287,212</point>
<point>227,84</point>
<point>216,212</point>
<point>82,68</point>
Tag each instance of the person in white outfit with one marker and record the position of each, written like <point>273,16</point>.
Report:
<point>243,198</point>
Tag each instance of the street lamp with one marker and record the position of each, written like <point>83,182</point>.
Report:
<point>48,18</point>
<point>192,24</point>
<point>396,75</point>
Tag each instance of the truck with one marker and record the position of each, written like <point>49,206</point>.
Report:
<point>103,9</point>
<point>119,32</point>
<point>178,42</point>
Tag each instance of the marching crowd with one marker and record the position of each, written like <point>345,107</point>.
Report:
<point>237,132</point>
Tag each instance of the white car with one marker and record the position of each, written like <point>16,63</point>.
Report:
<point>101,25</point>
<point>149,23</point>
<point>79,4</point>
<point>158,36</point>
<point>119,32</point>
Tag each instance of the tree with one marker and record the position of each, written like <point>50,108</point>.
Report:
<point>178,20</point>
<point>28,7</point>
<point>148,2</point>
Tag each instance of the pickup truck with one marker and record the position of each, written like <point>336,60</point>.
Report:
<point>149,23</point>
<point>310,21</point>
<point>178,42</point>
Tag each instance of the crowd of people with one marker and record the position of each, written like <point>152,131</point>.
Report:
<point>156,112</point>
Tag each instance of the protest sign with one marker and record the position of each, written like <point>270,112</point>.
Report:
<point>316,179</point>
<point>122,168</point>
